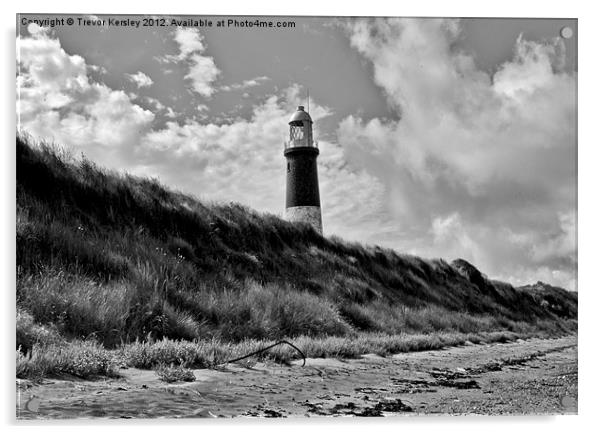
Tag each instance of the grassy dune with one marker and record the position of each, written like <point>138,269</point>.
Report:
<point>110,264</point>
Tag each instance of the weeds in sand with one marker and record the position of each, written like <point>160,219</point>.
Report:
<point>198,354</point>
<point>86,359</point>
<point>171,373</point>
<point>211,354</point>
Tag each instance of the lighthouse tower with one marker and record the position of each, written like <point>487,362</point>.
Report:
<point>302,190</point>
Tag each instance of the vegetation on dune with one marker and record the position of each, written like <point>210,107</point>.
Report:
<point>108,261</point>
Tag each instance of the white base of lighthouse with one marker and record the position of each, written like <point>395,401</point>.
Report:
<point>305,214</point>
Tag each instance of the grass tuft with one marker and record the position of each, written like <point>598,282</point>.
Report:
<point>172,374</point>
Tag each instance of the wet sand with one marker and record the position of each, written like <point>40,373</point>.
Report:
<point>536,376</point>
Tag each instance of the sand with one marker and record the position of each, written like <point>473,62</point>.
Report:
<point>536,376</point>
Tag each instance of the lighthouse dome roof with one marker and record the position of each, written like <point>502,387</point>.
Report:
<point>300,115</point>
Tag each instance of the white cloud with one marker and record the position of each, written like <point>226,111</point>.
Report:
<point>202,71</point>
<point>253,82</point>
<point>140,79</point>
<point>171,114</point>
<point>477,166</point>
<point>352,199</point>
<point>34,29</point>
<point>98,69</point>
<point>56,100</point>
<point>189,40</point>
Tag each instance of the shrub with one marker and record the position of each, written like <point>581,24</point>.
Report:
<point>171,373</point>
<point>30,333</point>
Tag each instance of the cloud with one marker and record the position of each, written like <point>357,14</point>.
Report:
<point>202,71</point>
<point>352,199</point>
<point>560,245</point>
<point>98,69</point>
<point>245,84</point>
<point>34,29</point>
<point>140,79</point>
<point>155,102</point>
<point>171,114</point>
<point>189,40</point>
<point>478,166</point>
<point>56,100</point>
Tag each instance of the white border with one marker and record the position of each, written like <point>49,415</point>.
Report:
<point>589,214</point>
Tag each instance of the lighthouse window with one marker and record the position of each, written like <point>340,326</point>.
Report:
<point>288,167</point>
<point>296,132</point>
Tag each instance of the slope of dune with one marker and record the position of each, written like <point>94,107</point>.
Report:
<point>121,258</point>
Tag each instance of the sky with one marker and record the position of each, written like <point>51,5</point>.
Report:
<point>442,138</point>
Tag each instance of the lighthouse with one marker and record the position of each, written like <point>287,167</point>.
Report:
<point>302,190</point>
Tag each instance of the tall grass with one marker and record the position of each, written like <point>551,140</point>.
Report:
<point>30,333</point>
<point>81,359</point>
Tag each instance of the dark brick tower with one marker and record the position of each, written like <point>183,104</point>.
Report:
<point>302,189</point>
